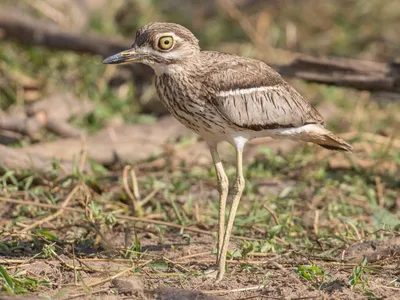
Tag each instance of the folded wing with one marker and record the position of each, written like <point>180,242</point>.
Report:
<point>253,96</point>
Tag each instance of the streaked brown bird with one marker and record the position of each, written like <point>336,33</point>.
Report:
<point>224,97</point>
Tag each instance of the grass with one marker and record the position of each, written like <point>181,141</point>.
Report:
<point>300,211</point>
<point>346,203</point>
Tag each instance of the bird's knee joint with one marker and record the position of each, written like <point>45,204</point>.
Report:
<point>239,184</point>
<point>223,184</point>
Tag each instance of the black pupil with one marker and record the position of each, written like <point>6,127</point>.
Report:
<point>166,42</point>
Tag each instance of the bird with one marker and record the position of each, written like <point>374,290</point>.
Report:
<point>224,97</point>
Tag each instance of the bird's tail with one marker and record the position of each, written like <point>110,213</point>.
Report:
<point>321,136</point>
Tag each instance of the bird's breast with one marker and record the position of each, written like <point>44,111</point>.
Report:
<point>186,99</point>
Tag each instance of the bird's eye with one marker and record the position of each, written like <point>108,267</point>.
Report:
<point>165,42</point>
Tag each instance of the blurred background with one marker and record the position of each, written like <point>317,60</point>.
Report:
<point>53,83</point>
<point>66,120</point>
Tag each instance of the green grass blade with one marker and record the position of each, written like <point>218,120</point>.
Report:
<point>8,281</point>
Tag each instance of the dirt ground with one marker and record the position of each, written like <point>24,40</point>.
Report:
<point>179,265</point>
<point>270,277</point>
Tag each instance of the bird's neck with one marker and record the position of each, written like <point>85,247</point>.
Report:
<point>176,67</point>
<point>161,69</point>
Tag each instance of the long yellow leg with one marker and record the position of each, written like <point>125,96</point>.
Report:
<point>237,194</point>
<point>223,187</point>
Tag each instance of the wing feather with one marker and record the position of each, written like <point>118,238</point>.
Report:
<point>253,96</point>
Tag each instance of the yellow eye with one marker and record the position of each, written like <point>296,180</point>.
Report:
<point>165,42</point>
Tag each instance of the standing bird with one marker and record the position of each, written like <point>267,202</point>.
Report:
<point>224,97</point>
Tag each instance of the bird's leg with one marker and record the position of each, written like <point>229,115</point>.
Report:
<point>223,187</point>
<point>237,194</point>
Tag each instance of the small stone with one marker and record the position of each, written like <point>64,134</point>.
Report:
<point>126,286</point>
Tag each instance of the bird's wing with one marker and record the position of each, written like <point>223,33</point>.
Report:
<point>251,95</point>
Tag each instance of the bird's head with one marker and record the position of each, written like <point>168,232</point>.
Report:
<point>159,45</point>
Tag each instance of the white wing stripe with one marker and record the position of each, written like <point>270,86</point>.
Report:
<point>238,92</point>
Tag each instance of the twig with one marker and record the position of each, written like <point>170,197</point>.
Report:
<point>65,264</point>
<point>55,215</point>
<point>389,287</point>
<point>355,230</point>
<point>251,288</point>
<point>73,263</point>
<point>150,195</point>
<point>316,221</point>
<point>86,294</point>
<point>111,277</point>
<point>379,191</point>
<point>194,255</point>
<point>134,195</point>
<point>82,160</point>
<point>273,214</point>
<point>44,205</point>
<point>176,264</point>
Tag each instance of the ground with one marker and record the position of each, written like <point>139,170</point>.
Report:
<point>312,224</point>
<point>305,228</point>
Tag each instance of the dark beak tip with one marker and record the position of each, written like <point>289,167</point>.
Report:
<point>108,60</point>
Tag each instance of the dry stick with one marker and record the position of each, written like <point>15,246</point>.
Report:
<point>316,221</point>
<point>86,294</point>
<point>150,196</point>
<point>389,287</point>
<point>263,297</point>
<point>379,191</point>
<point>73,263</point>
<point>233,262</point>
<point>82,160</point>
<point>135,186</point>
<point>55,215</point>
<point>176,264</point>
<point>111,277</point>
<point>251,288</point>
<point>194,255</point>
<point>21,261</point>
<point>355,230</point>
<point>65,264</point>
<point>44,205</point>
<point>134,195</point>
<point>276,219</point>
<point>128,218</point>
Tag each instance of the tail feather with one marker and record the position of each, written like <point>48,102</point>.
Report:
<point>324,138</point>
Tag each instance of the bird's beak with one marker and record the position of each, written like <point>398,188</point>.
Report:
<point>122,57</point>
